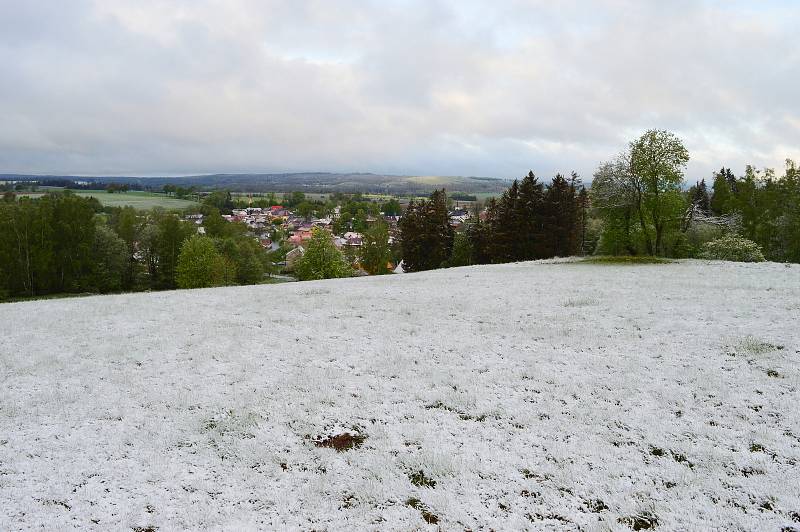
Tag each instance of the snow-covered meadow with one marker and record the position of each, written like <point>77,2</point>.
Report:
<point>523,396</point>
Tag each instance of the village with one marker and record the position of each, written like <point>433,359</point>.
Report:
<point>278,228</point>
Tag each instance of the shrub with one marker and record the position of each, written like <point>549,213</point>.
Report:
<point>734,248</point>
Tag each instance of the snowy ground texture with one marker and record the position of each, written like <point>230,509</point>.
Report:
<point>534,396</point>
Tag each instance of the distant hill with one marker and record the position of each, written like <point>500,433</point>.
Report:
<point>311,182</point>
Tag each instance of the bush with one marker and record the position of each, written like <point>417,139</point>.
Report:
<point>734,248</point>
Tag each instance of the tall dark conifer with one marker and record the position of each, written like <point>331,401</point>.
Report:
<point>530,234</point>
<point>700,196</point>
<point>426,237</point>
<point>559,207</point>
<point>506,226</point>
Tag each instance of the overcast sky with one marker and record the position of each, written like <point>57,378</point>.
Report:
<point>147,87</point>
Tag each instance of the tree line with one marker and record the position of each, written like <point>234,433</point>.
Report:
<point>530,221</point>
<point>642,207</point>
<point>638,204</point>
<point>63,243</point>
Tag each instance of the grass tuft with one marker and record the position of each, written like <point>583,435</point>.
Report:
<point>416,504</point>
<point>640,521</point>
<point>419,479</point>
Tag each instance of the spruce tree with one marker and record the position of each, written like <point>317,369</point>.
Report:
<point>426,237</point>
<point>722,200</point>
<point>506,226</point>
<point>438,232</point>
<point>530,218</point>
<point>559,207</point>
<point>700,196</point>
<point>411,237</point>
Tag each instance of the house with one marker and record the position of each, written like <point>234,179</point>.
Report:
<point>322,222</point>
<point>293,256</point>
<point>299,237</point>
<point>459,216</point>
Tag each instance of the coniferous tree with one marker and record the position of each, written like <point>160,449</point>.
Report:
<point>583,221</point>
<point>699,196</point>
<point>722,200</point>
<point>411,237</point>
<point>426,236</point>
<point>530,218</point>
<point>439,232</point>
<point>505,227</point>
<point>479,235</point>
<point>560,208</point>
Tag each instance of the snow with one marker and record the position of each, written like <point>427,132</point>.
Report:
<point>539,396</point>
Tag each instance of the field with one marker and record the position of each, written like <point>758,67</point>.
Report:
<point>137,199</point>
<point>538,396</point>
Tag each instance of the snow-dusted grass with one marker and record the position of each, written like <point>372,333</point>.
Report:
<point>522,396</point>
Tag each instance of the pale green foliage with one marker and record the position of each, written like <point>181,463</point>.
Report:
<point>321,259</point>
<point>375,252</point>
<point>638,195</point>
<point>462,251</point>
<point>200,265</point>
<point>733,248</point>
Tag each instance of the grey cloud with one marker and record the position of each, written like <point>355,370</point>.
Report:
<point>423,87</point>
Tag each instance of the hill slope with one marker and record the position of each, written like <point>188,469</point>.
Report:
<point>538,396</point>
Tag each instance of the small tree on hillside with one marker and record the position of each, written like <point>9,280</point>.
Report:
<point>200,265</point>
<point>657,161</point>
<point>375,251</point>
<point>638,195</point>
<point>321,259</point>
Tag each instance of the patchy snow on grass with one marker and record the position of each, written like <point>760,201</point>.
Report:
<point>524,396</point>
